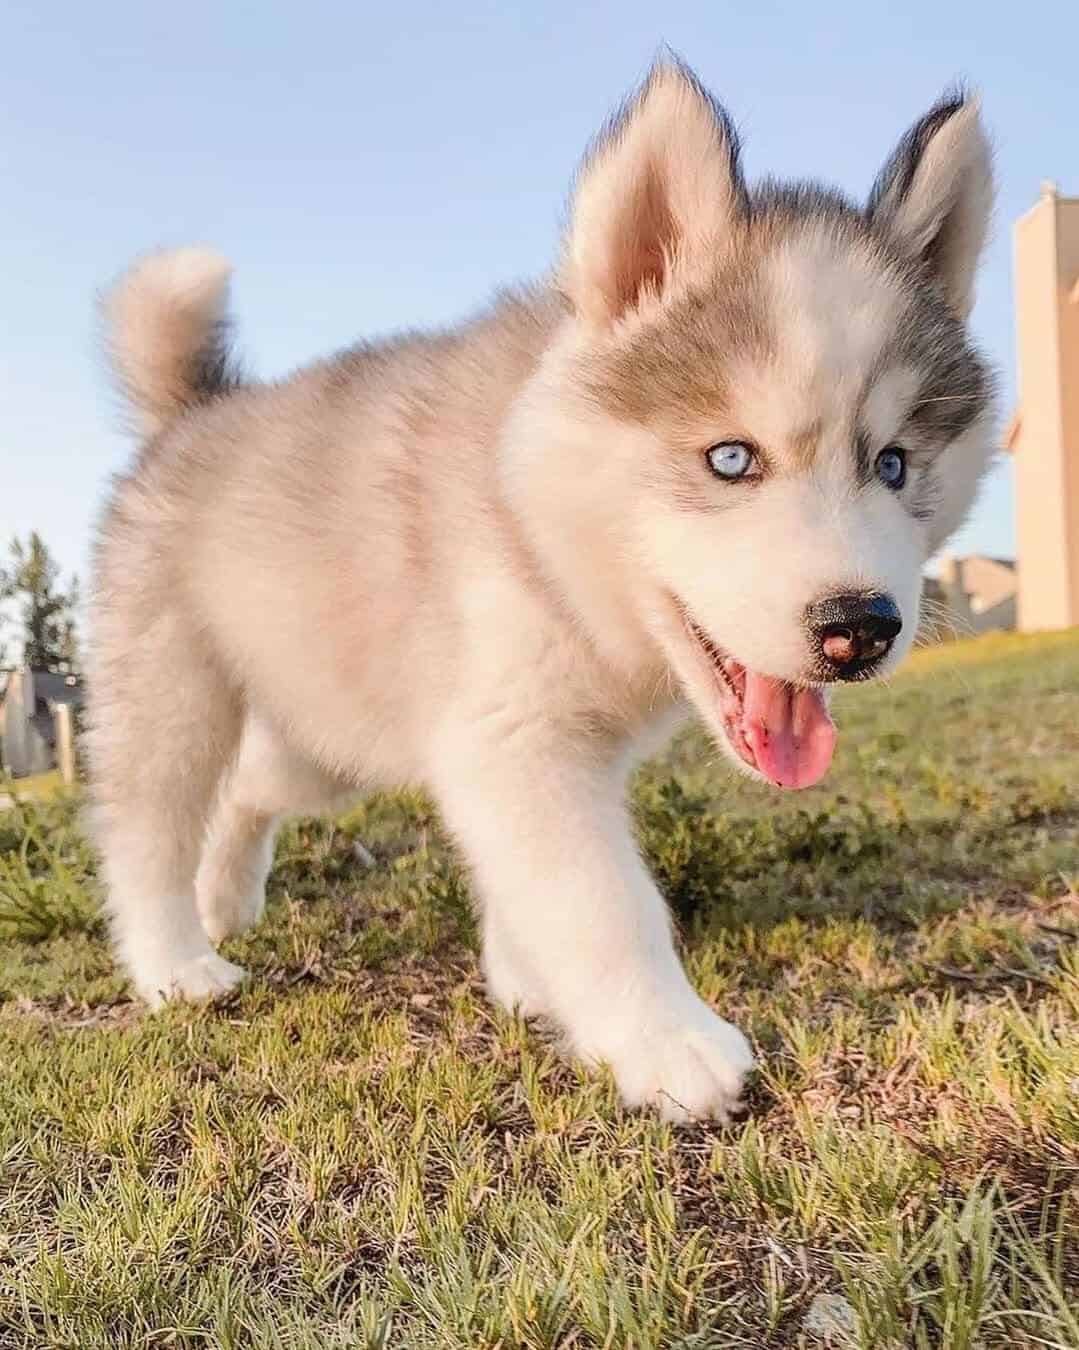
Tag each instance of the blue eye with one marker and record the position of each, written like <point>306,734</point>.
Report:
<point>892,467</point>
<point>731,459</point>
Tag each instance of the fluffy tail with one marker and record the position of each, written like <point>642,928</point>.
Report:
<point>167,334</point>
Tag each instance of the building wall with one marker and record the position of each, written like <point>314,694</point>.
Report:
<point>1047,454</point>
<point>1068,274</point>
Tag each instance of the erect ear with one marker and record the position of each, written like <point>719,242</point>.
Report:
<point>935,195</point>
<point>654,198</point>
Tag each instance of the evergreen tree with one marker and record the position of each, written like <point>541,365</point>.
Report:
<point>46,615</point>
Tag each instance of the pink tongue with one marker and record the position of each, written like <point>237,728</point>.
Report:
<point>789,731</point>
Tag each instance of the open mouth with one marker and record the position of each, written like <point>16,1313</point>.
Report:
<point>782,730</point>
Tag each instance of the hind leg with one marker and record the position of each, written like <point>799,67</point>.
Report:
<point>269,781</point>
<point>231,885</point>
<point>164,724</point>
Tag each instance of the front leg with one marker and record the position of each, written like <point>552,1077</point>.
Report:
<point>575,928</point>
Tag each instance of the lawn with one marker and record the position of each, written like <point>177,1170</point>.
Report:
<point>38,786</point>
<point>358,1152</point>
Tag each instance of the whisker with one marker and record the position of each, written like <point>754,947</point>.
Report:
<point>947,398</point>
<point>664,675</point>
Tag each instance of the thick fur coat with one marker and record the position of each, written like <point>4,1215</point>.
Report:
<point>701,468</point>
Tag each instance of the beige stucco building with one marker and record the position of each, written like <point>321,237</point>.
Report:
<point>1045,431</point>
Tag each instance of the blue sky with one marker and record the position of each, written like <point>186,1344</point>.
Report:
<point>369,167</point>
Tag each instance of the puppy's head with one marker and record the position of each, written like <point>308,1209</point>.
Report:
<point>766,408</point>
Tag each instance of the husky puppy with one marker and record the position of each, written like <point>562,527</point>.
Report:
<point>701,468</point>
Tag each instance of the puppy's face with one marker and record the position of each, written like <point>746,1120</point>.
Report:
<point>790,412</point>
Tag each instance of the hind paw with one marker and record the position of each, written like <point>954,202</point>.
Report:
<point>224,918</point>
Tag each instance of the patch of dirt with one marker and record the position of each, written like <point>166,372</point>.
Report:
<point>68,1015</point>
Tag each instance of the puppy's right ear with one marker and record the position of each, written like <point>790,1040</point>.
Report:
<point>655,198</point>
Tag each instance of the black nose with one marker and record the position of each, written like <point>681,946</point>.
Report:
<point>852,633</point>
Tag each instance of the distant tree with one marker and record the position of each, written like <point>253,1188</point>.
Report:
<point>68,644</point>
<point>47,615</point>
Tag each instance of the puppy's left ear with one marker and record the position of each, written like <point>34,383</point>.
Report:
<point>935,195</point>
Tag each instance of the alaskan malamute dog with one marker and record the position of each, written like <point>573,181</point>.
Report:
<point>701,466</point>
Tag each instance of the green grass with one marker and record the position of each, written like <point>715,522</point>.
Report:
<point>37,785</point>
<point>358,1152</point>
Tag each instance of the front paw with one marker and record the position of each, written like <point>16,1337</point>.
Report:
<point>680,1059</point>
<point>200,977</point>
